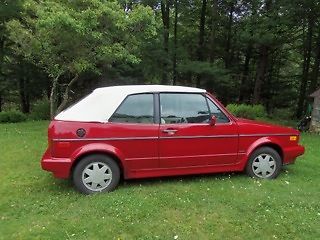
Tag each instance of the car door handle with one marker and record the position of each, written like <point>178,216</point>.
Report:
<point>170,131</point>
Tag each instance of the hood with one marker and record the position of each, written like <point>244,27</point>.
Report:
<point>247,126</point>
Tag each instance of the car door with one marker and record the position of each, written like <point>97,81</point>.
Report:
<point>133,130</point>
<point>186,139</point>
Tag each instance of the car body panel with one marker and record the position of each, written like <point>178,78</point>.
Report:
<point>134,145</point>
<point>145,150</point>
<point>198,145</point>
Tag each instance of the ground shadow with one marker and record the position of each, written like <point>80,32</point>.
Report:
<point>66,185</point>
<point>175,179</point>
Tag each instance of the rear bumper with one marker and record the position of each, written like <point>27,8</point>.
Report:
<point>291,153</point>
<point>60,167</point>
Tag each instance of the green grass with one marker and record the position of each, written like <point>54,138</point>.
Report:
<point>34,205</point>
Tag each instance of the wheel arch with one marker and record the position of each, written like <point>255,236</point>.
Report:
<point>103,149</point>
<point>274,146</point>
<point>263,142</point>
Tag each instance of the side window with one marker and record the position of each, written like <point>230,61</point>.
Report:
<point>135,109</point>
<point>221,118</point>
<point>183,108</point>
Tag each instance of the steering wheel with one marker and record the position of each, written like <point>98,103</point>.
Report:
<point>183,120</point>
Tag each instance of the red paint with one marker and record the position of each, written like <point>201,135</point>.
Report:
<point>193,145</point>
<point>148,150</point>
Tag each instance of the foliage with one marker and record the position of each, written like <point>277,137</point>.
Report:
<point>218,206</point>
<point>8,11</point>
<point>282,113</point>
<point>40,110</point>
<point>71,38</point>
<point>247,111</point>
<point>254,52</point>
<point>12,117</point>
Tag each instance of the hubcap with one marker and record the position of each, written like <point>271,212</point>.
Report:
<point>97,176</point>
<point>264,165</point>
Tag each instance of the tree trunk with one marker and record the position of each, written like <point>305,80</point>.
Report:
<point>24,94</point>
<point>315,70</point>
<point>1,62</point>
<point>174,78</point>
<point>213,29</point>
<point>53,97</point>
<point>268,93</point>
<point>65,96</point>
<point>305,69</point>
<point>201,37</point>
<point>261,73</point>
<point>229,36</point>
<point>165,13</point>
<point>245,75</point>
<point>48,89</point>
<point>262,63</point>
<point>1,50</point>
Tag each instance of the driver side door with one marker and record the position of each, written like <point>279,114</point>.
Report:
<point>186,139</point>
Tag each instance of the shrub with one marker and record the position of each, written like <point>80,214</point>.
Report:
<point>282,113</point>
<point>247,111</point>
<point>12,117</point>
<point>40,110</point>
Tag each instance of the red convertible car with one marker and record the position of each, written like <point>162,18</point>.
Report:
<point>154,130</point>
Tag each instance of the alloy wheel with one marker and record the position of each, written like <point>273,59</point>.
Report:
<point>97,176</point>
<point>264,165</point>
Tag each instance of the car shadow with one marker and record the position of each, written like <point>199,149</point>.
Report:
<point>181,178</point>
<point>191,178</point>
<point>65,186</point>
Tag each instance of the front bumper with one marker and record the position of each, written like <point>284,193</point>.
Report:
<point>291,153</point>
<point>60,167</point>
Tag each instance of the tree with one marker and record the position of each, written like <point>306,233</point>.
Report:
<point>227,57</point>
<point>311,16</point>
<point>262,67</point>
<point>8,10</point>
<point>253,51</point>
<point>316,65</point>
<point>306,67</point>
<point>200,52</point>
<point>165,14</point>
<point>175,43</point>
<point>68,39</point>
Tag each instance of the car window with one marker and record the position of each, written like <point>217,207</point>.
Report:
<point>135,109</point>
<point>183,108</point>
<point>214,110</point>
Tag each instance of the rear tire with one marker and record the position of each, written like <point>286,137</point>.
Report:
<point>96,173</point>
<point>265,163</point>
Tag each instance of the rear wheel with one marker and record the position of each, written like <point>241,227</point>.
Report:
<point>96,173</point>
<point>265,162</point>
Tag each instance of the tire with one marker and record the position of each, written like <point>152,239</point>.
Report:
<point>96,173</point>
<point>265,163</point>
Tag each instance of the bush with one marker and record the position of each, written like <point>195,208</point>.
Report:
<point>247,111</point>
<point>282,113</point>
<point>12,117</point>
<point>40,110</point>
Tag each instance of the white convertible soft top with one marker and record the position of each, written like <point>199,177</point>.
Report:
<point>102,102</point>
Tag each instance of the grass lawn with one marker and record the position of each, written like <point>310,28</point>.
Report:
<point>34,205</point>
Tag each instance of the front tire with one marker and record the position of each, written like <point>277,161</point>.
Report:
<point>96,173</point>
<point>265,163</point>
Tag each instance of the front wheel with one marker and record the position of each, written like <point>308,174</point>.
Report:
<point>96,173</point>
<point>264,162</point>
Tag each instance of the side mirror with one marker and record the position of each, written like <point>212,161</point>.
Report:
<point>213,120</point>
